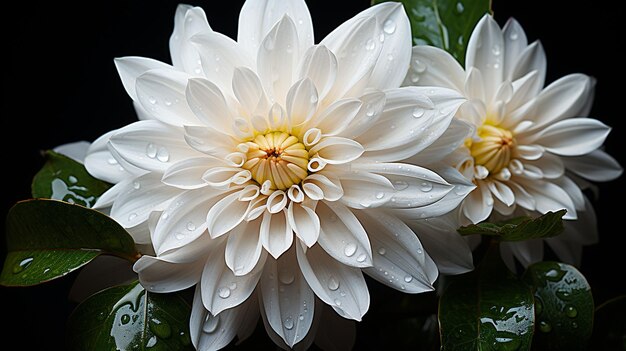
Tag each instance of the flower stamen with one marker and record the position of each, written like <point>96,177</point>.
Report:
<point>494,148</point>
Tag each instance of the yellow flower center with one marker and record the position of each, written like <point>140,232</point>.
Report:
<point>493,150</point>
<point>278,157</point>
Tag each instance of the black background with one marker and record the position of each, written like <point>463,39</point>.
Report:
<point>60,86</point>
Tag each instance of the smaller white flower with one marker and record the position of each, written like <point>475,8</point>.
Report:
<point>531,145</point>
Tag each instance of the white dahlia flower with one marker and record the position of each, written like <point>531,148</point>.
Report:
<point>271,167</point>
<point>531,145</point>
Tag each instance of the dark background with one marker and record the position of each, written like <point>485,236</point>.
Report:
<point>60,86</point>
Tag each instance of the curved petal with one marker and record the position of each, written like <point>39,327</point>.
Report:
<point>340,286</point>
<point>363,189</point>
<point>573,190</point>
<point>187,174</point>
<point>287,299</point>
<point>562,99</point>
<point>573,136</point>
<point>551,165</point>
<point>479,203</point>
<point>131,67</point>
<point>336,117</point>
<point>597,166</point>
<point>209,105</point>
<point>319,65</point>
<point>454,136</point>
<point>304,222</point>
<point>501,192</point>
<point>101,163</point>
<point>276,233</point>
<point>484,51</point>
<point>151,145</point>
<point>342,236</point>
<point>301,102</point>
<point>550,197</point>
<point>161,276</point>
<point>532,59</point>
<point>372,105</point>
<point>140,197</point>
<point>258,17</point>
<point>221,289</point>
<point>337,150</point>
<point>515,42</point>
<point>431,66</point>
<point>330,187</point>
<point>248,89</point>
<point>399,260</point>
<point>188,21</point>
<point>161,92</point>
<point>226,214</point>
<point>209,141</point>
<point>243,248</point>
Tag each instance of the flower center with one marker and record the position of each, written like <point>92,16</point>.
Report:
<point>493,150</point>
<point>278,157</point>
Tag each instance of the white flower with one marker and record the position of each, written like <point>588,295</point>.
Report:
<point>531,144</point>
<point>271,144</point>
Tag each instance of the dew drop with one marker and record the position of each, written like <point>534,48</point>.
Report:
<point>370,44</point>
<point>288,323</point>
<point>361,258</point>
<point>163,155</point>
<point>223,292</point>
<point>301,317</point>
<point>513,35</point>
<point>382,251</point>
<point>380,195</point>
<point>191,226</point>
<point>545,327</point>
<point>101,316</point>
<point>232,286</point>
<point>132,216</point>
<point>112,161</point>
<point>426,187</point>
<point>349,249</point>
<point>22,265</point>
<point>415,78</point>
<point>571,311</point>
<point>152,100</point>
<point>459,8</point>
<point>210,323</point>
<point>333,283</point>
<point>419,251</point>
<point>418,112</point>
<point>419,66</point>
<point>400,185</point>
<point>197,70</point>
<point>72,179</point>
<point>179,236</point>
<point>136,185</point>
<point>160,329</point>
<point>381,37</point>
<point>390,57</point>
<point>313,98</point>
<point>286,276</point>
<point>167,102</point>
<point>389,27</point>
<point>408,278</point>
<point>337,302</point>
<point>151,150</point>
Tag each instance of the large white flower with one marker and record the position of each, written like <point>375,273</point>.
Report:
<point>531,144</point>
<point>273,145</point>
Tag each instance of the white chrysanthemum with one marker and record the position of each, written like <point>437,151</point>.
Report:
<point>531,144</point>
<point>271,144</point>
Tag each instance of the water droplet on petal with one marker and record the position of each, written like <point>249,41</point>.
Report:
<point>382,251</point>
<point>380,195</point>
<point>350,249</point>
<point>337,302</point>
<point>400,185</point>
<point>408,278</point>
<point>232,286</point>
<point>420,251</point>
<point>370,45</point>
<point>513,35</point>
<point>333,283</point>
<point>361,257</point>
<point>419,66</point>
<point>179,236</point>
<point>151,150</point>
<point>163,155</point>
<point>136,185</point>
<point>415,78</point>
<point>301,317</point>
<point>288,323</point>
<point>426,187</point>
<point>389,27</point>
<point>223,292</point>
<point>313,98</point>
<point>132,216</point>
<point>167,102</point>
<point>418,112</point>
<point>112,161</point>
<point>191,226</point>
<point>571,311</point>
<point>390,57</point>
<point>286,276</point>
<point>152,100</point>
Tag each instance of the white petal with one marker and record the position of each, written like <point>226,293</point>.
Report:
<point>414,186</point>
<point>162,93</point>
<point>527,251</point>
<point>131,67</point>
<point>258,17</point>
<point>337,150</point>
<point>304,222</point>
<point>431,66</point>
<point>144,195</point>
<point>529,152</point>
<point>161,276</point>
<point>209,140</point>
<point>478,204</point>
<point>320,66</point>
<point>440,238</point>
<point>243,248</point>
<point>550,197</point>
<point>219,56</point>
<point>248,89</point>
<point>226,214</point>
<point>77,151</point>
<point>340,286</point>
<point>221,289</point>
<point>276,233</point>
<point>222,177</point>
<point>475,85</point>
<point>484,51</point>
<point>108,197</point>
<point>551,165</point>
<point>208,103</point>
<point>532,59</point>
<point>522,197</point>
<point>277,59</point>
<point>101,164</point>
<point>336,117</point>
<point>342,236</point>
<point>399,259</point>
<point>372,105</point>
<point>142,233</point>
<point>525,89</point>
<point>562,99</point>
<point>501,192</point>
<point>187,22</point>
<point>454,136</point>
<point>187,174</point>
<point>573,190</point>
<point>301,102</point>
<point>151,145</point>
<point>515,42</point>
<point>329,186</point>
<point>597,166</point>
<point>214,332</point>
<point>573,136</point>
<point>287,299</point>
<point>363,189</point>
<point>355,62</point>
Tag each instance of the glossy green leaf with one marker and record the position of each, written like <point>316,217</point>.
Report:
<point>62,178</point>
<point>47,239</point>
<point>520,228</point>
<point>609,325</point>
<point>563,306</point>
<point>487,309</point>
<point>446,24</point>
<point>130,318</point>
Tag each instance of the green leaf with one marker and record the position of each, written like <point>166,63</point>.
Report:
<point>487,309</point>
<point>62,178</point>
<point>130,318</point>
<point>47,239</point>
<point>563,306</point>
<point>446,24</point>
<point>520,228</point>
<point>609,325</point>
